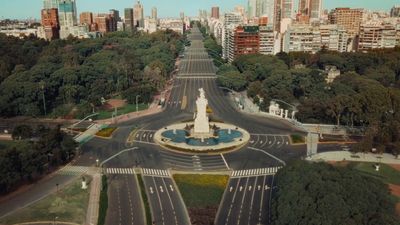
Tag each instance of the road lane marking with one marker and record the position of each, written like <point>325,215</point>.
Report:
<point>159,201</point>
<point>241,204</point>
<point>231,205</point>
<point>252,201</point>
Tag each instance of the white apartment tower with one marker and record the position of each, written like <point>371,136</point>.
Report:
<point>231,21</point>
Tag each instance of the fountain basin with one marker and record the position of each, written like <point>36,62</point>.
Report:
<point>227,138</point>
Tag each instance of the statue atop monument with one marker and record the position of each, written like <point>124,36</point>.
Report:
<point>201,123</point>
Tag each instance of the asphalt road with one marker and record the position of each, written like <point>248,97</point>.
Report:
<point>165,201</point>
<point>268,147</point>
<point>247,201</point>
<point>125,204</point>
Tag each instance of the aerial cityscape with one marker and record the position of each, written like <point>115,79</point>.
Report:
<point>244,112</point>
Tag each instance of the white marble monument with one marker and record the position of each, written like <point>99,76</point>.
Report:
<point>201,123</point>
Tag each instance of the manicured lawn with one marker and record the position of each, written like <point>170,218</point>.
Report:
<point>120,111</point>
<point>386,173</point>
<point>106,132</point>
<point>297,139</point>
<point>199,191</point>
<point>68,205</point>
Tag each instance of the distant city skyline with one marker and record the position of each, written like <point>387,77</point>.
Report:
<point>170,8</point>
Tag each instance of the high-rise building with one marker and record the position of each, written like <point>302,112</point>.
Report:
<point>349,19</point>
<point>311,9</point>
<point>50,4</point>
<point>154,13</point>
<point>262,8</point>
<point>315,9</point>
<point>102,20</point>
<point>267,8</point>
<point>67,16</point>
<point>302,38</point>
<point>283,11</point>
<point>105,22</point>
<point>269,40</point>
<point>114,19</point>
<point>86,18</point>
<point>373,36</point>
<point>395,11</point>
<point>215,12</point>
<point>231,20</point>
<point>182,15</point>
<point>303,7</point>
<point>252,9</point>
<point>286,8</point>
<point>138,15</point>
<point>115,14</point>
<point>129,24</point>
<point>246,40</point>
<point>50,23</point>
<point>242,11</point>
<point>334,38</point>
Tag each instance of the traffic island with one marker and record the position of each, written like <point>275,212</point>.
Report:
<point>202,195</point>
<point>202,136</point>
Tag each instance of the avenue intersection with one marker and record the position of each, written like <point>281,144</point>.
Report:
<point>247,197</point>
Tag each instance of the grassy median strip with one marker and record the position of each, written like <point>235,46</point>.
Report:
<point>297,139</point>
<point>202,194</point>
<point>145,200</point>
<point>68,205</point>
<point>103,202</point>
<point>106,132</point>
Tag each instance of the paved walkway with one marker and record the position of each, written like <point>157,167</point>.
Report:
<point>46,223</point>
<point>153,109</point>
<point>94,198</point>
<point>356,157</point>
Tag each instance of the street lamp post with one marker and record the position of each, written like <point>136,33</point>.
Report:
<point>137,103</point>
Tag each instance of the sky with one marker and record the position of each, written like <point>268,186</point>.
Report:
<point>22,9</point>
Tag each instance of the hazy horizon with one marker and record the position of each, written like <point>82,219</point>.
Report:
<point>31,9</point>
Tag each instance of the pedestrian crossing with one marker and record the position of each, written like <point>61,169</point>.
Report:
<point>155,172</point>
<point>119,171</point>
<point>75,170</point>
<point>255,172</point>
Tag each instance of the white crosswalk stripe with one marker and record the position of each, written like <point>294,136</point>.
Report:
<point>255,172</point>
<point>74,170</point>
<point>155,172</point>
<point>120,171</point>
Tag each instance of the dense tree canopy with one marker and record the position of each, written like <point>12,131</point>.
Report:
<point>28,159</point>
<point>320,194</point>
<point>366,94</point>
<point>38,77</point>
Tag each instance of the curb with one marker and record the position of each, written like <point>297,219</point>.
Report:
<point>49,222</point>
<point>180,198</point>
<point>141,198</point>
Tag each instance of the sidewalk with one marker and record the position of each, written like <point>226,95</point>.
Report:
<point>154,108</point>
<point>93,206</point>
<point>356,157</point>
